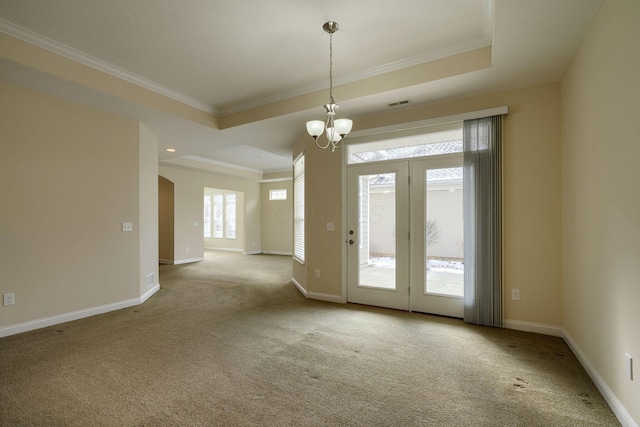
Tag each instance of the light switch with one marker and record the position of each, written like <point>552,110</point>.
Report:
<point>331,226</point>
<point>9,299</point>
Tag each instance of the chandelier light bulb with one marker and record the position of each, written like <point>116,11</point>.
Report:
<point>333,135</point>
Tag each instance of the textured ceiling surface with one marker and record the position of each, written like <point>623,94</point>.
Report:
<point>230,55</point>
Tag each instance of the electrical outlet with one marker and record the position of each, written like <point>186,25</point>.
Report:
<point>187,249</point>
<point>127,226</point>
<point>9,299</point>
<point>317,274</point>
<point>628,366</point>
<point>515,294</point>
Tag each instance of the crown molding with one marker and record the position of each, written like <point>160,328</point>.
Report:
<point>283,179</point>
<point>363,74</point>
<point>215,163</point>
<point>78,56</point>
<point>30,37</point>
<point>223,164</point>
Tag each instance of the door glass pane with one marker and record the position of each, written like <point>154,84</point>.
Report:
<point>377,230</point>
<point>444,232</point>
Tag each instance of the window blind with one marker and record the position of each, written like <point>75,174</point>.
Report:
<point>298,209</point>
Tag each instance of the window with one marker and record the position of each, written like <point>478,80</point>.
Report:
<point>298,208</point>
<point>220,216</point>
<point>436,140</point>
<point>280,194</point>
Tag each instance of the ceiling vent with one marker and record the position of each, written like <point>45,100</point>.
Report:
<point>397,104</point>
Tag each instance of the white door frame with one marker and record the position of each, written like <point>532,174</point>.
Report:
<point>365,292</point>
<point>410,293</point>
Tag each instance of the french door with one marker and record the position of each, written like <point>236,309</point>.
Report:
<point>378,234</point>
<point>405,242</point>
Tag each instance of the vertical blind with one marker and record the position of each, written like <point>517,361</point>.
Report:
<point>482,195</point>
<point>298,208</point>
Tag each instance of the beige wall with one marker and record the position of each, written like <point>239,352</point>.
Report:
<point>69,176</point>
<point>277,219</point>
<point>601,201</point>
<point>531,199</point>
<point>322,204</point>
<point>189,207</point>
<point>148,203</point>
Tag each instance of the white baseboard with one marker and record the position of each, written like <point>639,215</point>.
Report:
<point>539,328</point>
<point>620,412</point>
<point>155,288</point>
<point>165,261</point>
<point>252,253</point>
<point>277,253</point>
<point>557,331</point>
<point>76,315</point>
<point>317,295</point>
<point>302,290</point>
<point>66,317</point>
<point>187,261</point>
<point>210,248</point>
<point>326,297</point>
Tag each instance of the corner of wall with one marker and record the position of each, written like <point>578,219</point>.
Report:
<point>148,210</point>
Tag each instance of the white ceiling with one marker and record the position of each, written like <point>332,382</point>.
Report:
<point>227,56</point>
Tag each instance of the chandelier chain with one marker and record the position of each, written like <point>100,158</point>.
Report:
<point>331,68</point>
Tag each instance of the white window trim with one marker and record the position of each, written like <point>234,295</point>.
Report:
<point>225,221</point>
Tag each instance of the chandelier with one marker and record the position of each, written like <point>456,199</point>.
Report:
<point>335,130</point>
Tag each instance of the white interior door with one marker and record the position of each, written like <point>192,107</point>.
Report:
<point>378,234</point>
<point>405,237</point>
<point>437,270</point>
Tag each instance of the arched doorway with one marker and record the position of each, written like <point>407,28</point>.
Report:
<point>165,221</point>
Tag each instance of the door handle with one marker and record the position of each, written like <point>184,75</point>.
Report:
<point>351,241</point>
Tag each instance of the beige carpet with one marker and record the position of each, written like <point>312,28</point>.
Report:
<point>231,342</point>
